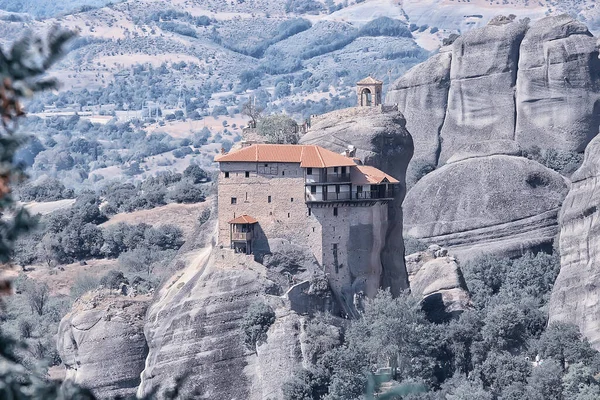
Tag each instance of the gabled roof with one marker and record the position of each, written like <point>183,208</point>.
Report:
<point>244,219</point>
<point>367,175</point>
<point>369,80</point>
<point>308,156</point>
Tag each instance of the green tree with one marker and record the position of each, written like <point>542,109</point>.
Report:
<point>278,128</point>
<point>258,319</point>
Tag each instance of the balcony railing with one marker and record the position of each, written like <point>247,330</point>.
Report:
<point>347,196</point>
<point>241,236</point>
<point>328,178</point>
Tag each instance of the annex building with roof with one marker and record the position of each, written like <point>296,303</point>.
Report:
<point>309,196</point>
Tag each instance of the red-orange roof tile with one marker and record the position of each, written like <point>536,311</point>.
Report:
<point>367,175</point>
<point>244,219</point>
<point>309,156</point>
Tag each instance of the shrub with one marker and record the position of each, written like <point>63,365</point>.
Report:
<point>385,26</point>
<point>256,322</point>
<point>196,174</point>
<point>83,284</point>
<point>113,280</point>
<point>278,129</point>
<point>186,192</point>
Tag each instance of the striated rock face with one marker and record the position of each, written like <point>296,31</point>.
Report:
<point>102,344</point>
<point>436,277</point>
<point>194,334</point>
<point>481,100</point>
<point>557,91</point>
<point>422,97</point>
<point>498,204</point>
<point>381,139</point>
<point>536,85</point>
<point>575,296</point>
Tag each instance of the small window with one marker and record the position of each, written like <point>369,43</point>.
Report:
<point>335,169</point>
<point>337,188</point>
<point>233,200</point>
<point>335,212</point>
<point>313,229</point>
<point>270,212</point>
<point>266,165</point>
<point>288,215</point>
<point>282,173</point>
<point>308,171</point>
<point>343,170</point>
<point>269,199</point>
<point>359,188</point>
<point>247,174</point>
<point>246,196</point>
<point>313,189</point>
<point>292,200</point>
<point>226,174</point>
<point>310,213</point>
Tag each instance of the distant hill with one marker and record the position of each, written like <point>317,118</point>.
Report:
<point>50,8</point>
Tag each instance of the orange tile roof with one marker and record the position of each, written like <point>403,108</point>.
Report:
<point>309,156</point>
<point>244,219</point>
<point>367,175</point>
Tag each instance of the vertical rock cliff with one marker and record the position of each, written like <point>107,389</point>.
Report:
<point>102,344</point>
<point>575,296</point>
<point>535,84</point>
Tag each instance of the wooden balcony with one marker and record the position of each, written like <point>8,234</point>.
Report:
<point>241,236</point>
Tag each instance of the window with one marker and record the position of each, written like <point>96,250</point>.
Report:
<point>310,213</point>
<point>266,165</point>
<point>246,196</point>
<point>343,170</point>
<point>282,173</point>
<point>337,188</point>
<point>288,215</point>
<point>226,174</point>
<point>247,174</point>
<point>308,171</point>
<point>335,212</point>
<point>233,200</point>
<point>335,169</point>
<point>292,200</point>
<point>269,199</point>
<point>359,188</point>
<point>313,189</point>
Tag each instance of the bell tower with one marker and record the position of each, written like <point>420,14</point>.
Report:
<point>369,92</point>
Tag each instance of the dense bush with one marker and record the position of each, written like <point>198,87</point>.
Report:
<point>46,190</point>
<point>256,322</point>
<point>563,162</point>
<point>278,129</point>
<point>385,26</point>
<point>484,354</point>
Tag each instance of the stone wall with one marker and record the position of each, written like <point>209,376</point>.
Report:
<point>348,245</point>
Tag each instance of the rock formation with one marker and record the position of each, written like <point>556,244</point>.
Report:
<point>102,344</point>
<point>536,85</point>
<point>194,332</point>
<point>381,139</point>
<point>498,204</point>
<point>575,296</point>
<point>436,277</point>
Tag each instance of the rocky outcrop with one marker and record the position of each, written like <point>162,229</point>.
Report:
<point>481,100</point>
<point>575,296</point>
<point>536,85</point>
<point>557,90</point>
<point>102,345</point>
<point>502,205</point>
<point>435,276</point>
<point>422,97</point>
<point>381,139</point>
<point>195,338</point>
